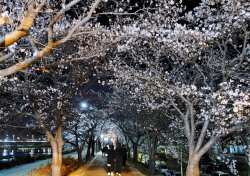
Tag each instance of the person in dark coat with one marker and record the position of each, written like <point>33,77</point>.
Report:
<point>110,153</point>
<point>119,154</point>
<point>104,149</point>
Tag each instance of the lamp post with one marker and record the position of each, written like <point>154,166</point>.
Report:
<point>181,147</point>
<point>181,163</point>
<point>102,140</point>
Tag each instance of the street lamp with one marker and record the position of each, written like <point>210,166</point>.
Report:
<point>102,140</point>
<point>84,105</point>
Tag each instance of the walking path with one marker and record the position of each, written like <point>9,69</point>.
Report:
<point>97,167</point>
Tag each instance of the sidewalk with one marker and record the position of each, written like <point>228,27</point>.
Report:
<point>97,167</point>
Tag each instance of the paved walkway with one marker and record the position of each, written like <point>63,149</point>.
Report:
<point>97,167</point>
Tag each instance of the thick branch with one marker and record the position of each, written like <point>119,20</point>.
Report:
<point>23,28</point>
<point>39,118</point>
<point>207,146</point>
<point>5,57</point>
<point>192,123</point>
<point>236,128</point>
<point>184,116</point>
<point>202,135</point>
<point>24,64</point>
<point>71,32</point>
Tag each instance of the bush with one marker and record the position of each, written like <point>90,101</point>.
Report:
<point>44,170</point>
<point>69,165</point>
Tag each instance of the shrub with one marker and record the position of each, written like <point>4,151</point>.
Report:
<point>44,170</point>
<point>69,165</point>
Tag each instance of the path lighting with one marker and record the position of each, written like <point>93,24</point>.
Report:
<point>84,105</point>
<point>7,138</point>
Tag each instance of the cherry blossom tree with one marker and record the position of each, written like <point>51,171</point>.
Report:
<point>139,124</point>
<point>47,97</point>
<point>127,117</point>
<point>195,64</point>
<point>16,125</point>
<point>31,29</point>
<point>194,106</point>
<point>94,121</point>
<point>76,133</point>
<point>29,21</point>
<point>154,123</point>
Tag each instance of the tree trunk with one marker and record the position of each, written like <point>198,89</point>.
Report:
<point>152,144</point>
<point>151,162</point>
<point>135,153</point>
<point>89,148</point>
<point>248,169</point>
<point>88,152</point>
<point>57,159</point>
<point>193,168</point>
<point>151,165</point>
<point>129,157</point>
<point>93,148</point>
<point>79,157</point>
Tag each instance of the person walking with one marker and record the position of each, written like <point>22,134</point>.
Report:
<point>104,149</point>
<point>119,154</point>
<point>110,153</point>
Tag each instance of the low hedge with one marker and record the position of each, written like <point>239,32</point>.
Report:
<point>69,164</point>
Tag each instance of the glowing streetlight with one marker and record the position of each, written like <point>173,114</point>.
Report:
<point>84,105</point>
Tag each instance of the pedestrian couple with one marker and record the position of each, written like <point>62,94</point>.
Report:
<point>115,159</point>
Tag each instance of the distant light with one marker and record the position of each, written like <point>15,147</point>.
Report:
<point>84,105</point>
<point>218,157</point>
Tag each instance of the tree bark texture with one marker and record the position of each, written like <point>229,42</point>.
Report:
<point>79,156</point>
<point>57,159</point>
<point>151,165</point>
<point>88,154</point>
<point>93,147</point>
<point>193,168</point>
<point>135,153</point>
<point>152,144</point>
